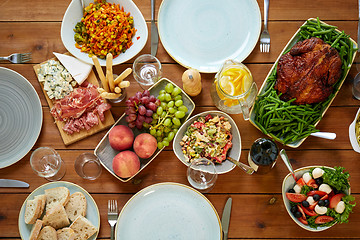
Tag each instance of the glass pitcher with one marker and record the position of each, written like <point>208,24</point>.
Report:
<point>234,90</point>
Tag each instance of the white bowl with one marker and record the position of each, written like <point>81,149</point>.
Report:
<point>352,134</point>
<point>74,14</point>
<point>234,152</point>
<point>289,183</point>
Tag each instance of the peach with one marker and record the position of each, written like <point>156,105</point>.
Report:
<point>145,145</point>
<point>126,164</point>
<point>121,137</point>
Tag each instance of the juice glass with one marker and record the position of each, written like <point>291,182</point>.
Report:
<point>234,90</point>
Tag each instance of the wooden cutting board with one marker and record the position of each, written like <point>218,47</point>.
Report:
<point>76,136</point>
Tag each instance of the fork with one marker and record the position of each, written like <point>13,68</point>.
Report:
<point>265,36</point>
<point>18,57</point>
<point>112,215</point>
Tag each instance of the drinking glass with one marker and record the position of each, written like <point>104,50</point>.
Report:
<point>146,70</point>
<point>88,166</point>
<point>202,175</point>
<point>47,163</point>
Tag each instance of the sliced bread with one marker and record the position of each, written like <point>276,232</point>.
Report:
<point>42,199</point>
<point>56,217</point>
<point>32,210</point>
<point>83,228</point>
<point>36,230</point>
<point>65,234</point>
<point>76,206</point>
<point>56,195</point>
<point>47,233</point>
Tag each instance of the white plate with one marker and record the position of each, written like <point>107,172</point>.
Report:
<point>234,152</point>
<point>168,211</point>
<point>20,117</point>
<point>203,34</point>
<point>288,183</point>
<point>352,134</point>
<point>74,14</point>
<point>92,212</point>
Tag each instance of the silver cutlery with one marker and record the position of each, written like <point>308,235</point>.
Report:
<point>112,216</point>
<point>241,165</point>
<point>17,57</point>
<point>13,183</point>
<point>154,31</point>
<point>286,160</point>
<point>265,36</point>
<point>225,218</point>
<point>326,135</point>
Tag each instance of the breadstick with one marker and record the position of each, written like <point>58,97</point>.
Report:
<point>124,84</point>
<point>100,73</point>
<point>108,95</point>
<point>117,90</point>
<point>122,76</point>
<point>109,71</point>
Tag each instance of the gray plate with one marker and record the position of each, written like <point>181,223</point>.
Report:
<point>20,117</point>
<point>106,153</point>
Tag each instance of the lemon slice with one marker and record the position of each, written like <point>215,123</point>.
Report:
<point>227,86</point>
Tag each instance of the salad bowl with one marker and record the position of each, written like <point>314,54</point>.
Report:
<point>289,183</point>
<point>234,152</point>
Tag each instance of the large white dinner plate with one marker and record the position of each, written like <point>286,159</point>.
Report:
<point>20,117</point>
<point>168,211</point>
<point>203,34</point>
<point>74,14</point>
<point>92,211</point>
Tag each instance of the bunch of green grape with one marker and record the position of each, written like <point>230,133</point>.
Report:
<point>167,118</point>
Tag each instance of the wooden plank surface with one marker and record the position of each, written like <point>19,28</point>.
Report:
<point>34,26</point>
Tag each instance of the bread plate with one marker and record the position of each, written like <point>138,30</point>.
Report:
<point>263,90</point>
<point>92,212</point>
<point>234,152</point>
<point>106,153</point>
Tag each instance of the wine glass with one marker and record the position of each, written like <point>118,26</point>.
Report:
<point>47,163</point>
<point>146,70</point>
<point>88,166</point>
<point>202,175</point>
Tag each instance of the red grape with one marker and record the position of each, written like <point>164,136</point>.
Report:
<point>146,93</point>
<point>140,118</point>
<point>152,98</point>
<point>149,113</point>
<point>148,119</point>
<point>145,100</point>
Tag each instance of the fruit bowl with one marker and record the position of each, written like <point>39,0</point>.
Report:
<point>234,152</point>
<point>106,153</point>
<point>289,183</point>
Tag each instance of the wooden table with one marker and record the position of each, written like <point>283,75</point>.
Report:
<point>34,26</point>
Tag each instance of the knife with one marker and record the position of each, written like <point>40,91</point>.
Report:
<point>225,219</point>
<point>154,31</point>
<point>13,183</point>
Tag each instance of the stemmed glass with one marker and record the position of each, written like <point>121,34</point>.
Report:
<point>202,175</point>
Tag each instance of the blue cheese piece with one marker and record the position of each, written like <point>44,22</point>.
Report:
<point>79,70</point>
<point>56,79</point>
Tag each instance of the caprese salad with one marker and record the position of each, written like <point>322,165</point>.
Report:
<point>319,198</point>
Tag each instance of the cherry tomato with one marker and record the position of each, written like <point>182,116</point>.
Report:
<point>312,183</point>
<point>320,193</point>
<point>309,212</point>
<point>303,221</point>
<point>323,219</point>
<point>301,182</point>
<point>335,200</point>
<point>296,197</point>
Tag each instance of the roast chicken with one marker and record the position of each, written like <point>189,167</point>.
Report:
<point>308,72</point>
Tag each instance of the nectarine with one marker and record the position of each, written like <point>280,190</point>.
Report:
<point>145,145</point>
<point>121,137</point>
<point>126,164</point>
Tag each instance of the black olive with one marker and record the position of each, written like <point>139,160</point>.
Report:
<point>305,203</point>
<point>319,181</point>
<point>298,214</point>
<point>327,202</point>
<point>316,197</point>
<point>294,209</point>
<point>291,190</point>
<point>321,203</point>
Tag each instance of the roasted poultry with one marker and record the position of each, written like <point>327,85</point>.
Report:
<point>308,72</point>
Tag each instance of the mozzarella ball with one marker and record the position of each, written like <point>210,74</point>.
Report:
<point>297,188</point>
<point>325,188</point>
<point>311,200</point>
<point>340,207</point>
<point>307,177</point>
<point>317,172</point>
<point>320,210</point>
